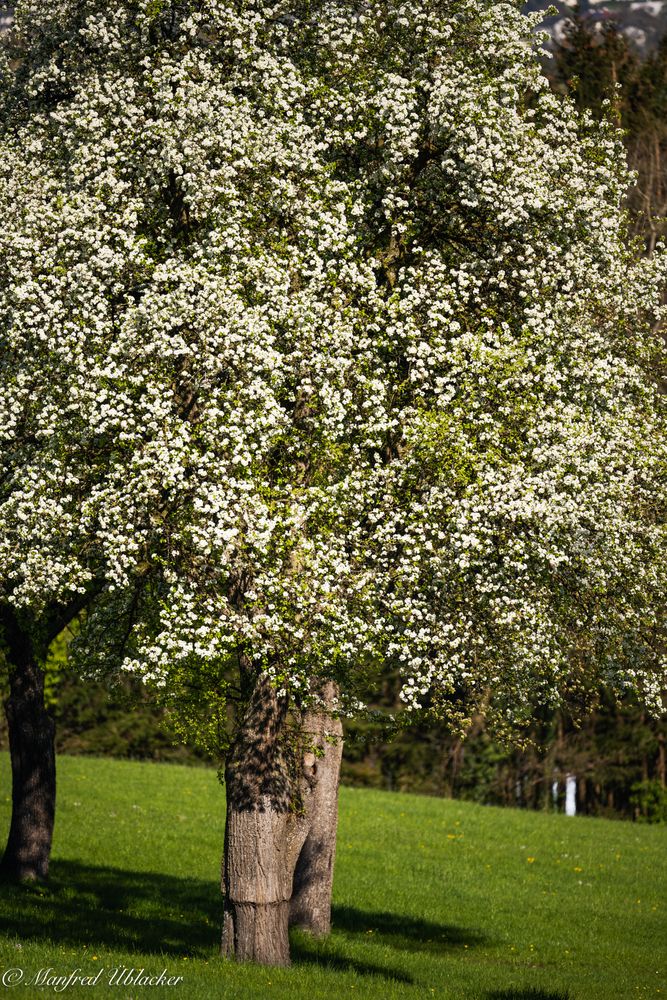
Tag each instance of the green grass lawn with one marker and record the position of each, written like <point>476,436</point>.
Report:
<point>433,898</point>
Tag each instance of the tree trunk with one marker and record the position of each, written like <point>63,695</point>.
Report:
<point>257,884</point>
<point>263,835</point>
<point>280,837</point>
<point>310,907</point>
<point>32,751</point>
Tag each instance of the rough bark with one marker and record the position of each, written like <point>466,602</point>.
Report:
<point>310,906</point>
<point>33,759</point>
<point>280,837</point>
<point>263,835</point>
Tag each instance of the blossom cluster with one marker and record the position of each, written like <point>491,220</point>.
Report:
<point>321,344</point>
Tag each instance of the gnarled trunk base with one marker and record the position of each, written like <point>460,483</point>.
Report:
<point>257,932</point>
<point>259,861</point>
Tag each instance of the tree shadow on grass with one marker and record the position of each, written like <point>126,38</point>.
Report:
<point>530,994</point>
<point>152,913</point>
<point>309,951</point>
<point>121,910</point>
<point>405,933</point>
<point>386,929</point>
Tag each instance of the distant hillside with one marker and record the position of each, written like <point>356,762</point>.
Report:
<point>643,22</point>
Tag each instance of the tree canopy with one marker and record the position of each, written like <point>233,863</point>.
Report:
<point>322,344</point>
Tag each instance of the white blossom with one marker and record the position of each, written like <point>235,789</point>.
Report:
<point>320,341</point>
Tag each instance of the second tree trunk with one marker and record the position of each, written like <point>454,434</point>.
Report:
<point>310,907</point>
<point>33,760</point>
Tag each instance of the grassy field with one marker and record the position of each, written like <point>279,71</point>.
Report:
<point>433,898</point>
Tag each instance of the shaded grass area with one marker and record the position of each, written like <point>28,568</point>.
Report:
<point>432,898</point>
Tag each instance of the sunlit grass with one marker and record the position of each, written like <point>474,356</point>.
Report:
<point>432,898</point>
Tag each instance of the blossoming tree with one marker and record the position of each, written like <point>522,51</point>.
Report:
<point>322,346</point>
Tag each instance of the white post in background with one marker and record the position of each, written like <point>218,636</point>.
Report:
<point>570,795</point>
